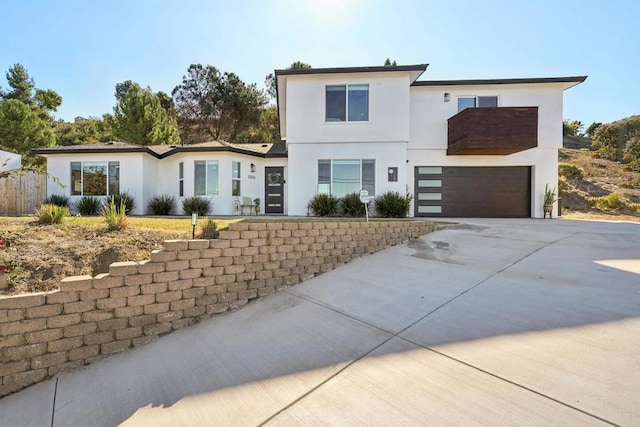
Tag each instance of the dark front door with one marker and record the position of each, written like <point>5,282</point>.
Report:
<point>273,190</point>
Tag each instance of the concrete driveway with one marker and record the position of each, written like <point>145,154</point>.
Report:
<point>489,322</point>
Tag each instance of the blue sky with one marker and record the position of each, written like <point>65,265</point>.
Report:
<point>81,49</point>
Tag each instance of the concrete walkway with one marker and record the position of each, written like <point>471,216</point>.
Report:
<point>490,322</point>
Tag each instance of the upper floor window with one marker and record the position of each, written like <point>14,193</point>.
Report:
<point>235,179</point>
<point>95,178</point>
<point>347,103</point>
<point>476,101</point>
<point>206,178</point>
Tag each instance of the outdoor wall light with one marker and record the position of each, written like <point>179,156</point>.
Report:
<point>393,174</point>
<point>253,168</point>
<point>447,96</point>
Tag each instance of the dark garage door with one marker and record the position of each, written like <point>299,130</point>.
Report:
<point>482,192</point>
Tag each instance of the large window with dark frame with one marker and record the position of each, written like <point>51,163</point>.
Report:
<point>206,178</point>
<point>347,103</point>
<point>341,177</point>
<point>95,178</point>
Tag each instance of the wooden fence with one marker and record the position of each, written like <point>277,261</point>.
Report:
<point>22,194</point>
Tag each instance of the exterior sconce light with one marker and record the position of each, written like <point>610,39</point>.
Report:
<point>447,96</point>
<point>393,174</point>
<point>253,168</point>
<point>194,221</point>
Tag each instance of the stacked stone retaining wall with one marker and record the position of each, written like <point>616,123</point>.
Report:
<point>90,318</point>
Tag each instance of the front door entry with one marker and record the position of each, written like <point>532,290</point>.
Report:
<point>274,190</point>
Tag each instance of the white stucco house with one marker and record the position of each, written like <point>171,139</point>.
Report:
<point>9,161</point>
<point>221,172</point>
<point>462,148</point>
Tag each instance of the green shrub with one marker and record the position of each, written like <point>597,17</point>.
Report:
<point>162,205</point>
<point>209,230</point>
<point>125,199</point>
<point>196,204</point>
<point>351,206</point>
<point>393,205</point>
<point>549,196</point>
<point>51,214</point>
<point>570,171</point>
<point>115,216</point>
<point>563,185</point>
<point>324,205</point>
<point>605,203</point>
<point>88,205</point>
<point>57,199</point>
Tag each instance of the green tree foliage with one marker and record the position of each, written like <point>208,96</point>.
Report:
<point>617,141</point>
<point>388,63</point>
<point>140,117</point>
<point>214,105</point>
<point>85,131</point>
<point>265,131</point>
<point>592,128</point>
<point>21,84</point>
<point>270,79</point>
<point>632,152</point>
<point>572,128</point>
<point>22,128</point>
<point>25,119</point>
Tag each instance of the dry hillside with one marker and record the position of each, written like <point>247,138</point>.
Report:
<point>591,194</point>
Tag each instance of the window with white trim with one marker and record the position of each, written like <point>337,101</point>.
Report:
<point>347,103</point>
<point>235,178</point>
<point>206,178</point>
<point>341,177</point>
<point>465,102</point>
<point>95,178</point>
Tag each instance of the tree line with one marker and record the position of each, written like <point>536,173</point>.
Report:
<point>618,141</point>
<point>206,105</point>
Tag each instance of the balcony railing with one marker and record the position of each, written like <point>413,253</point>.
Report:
<point>493,130</point>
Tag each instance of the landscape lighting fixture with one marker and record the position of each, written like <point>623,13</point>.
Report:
<point>194,221</point>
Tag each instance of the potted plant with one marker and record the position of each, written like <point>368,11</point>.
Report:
<point>256,202</point>
<point>549,200</point>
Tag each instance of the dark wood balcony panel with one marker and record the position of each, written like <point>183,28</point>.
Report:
<point>494,130</point>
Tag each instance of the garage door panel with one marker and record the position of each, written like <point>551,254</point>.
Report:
<point>473,192</point>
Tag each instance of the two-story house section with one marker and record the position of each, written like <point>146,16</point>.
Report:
<point>463,148</point>
<point>345,129</point>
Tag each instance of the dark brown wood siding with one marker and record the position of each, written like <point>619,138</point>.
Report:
<point>493,130</point>
<point>481,192</point>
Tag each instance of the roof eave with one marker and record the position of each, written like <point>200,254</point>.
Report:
<point>568,81</point>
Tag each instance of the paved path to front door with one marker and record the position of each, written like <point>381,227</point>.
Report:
<point>489,322</point>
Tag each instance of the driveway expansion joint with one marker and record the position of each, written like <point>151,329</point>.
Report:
<point>397,335</point>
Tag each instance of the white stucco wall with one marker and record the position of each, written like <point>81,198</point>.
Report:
<point>149,180</point>
<point>429,112</point>
<point>303,167</point>
<point>388,109</point>
<point>9,161</point>
<point>144,176</point>
<point>252,183</point>
<point>131,172</point>
<point>428,141</point>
